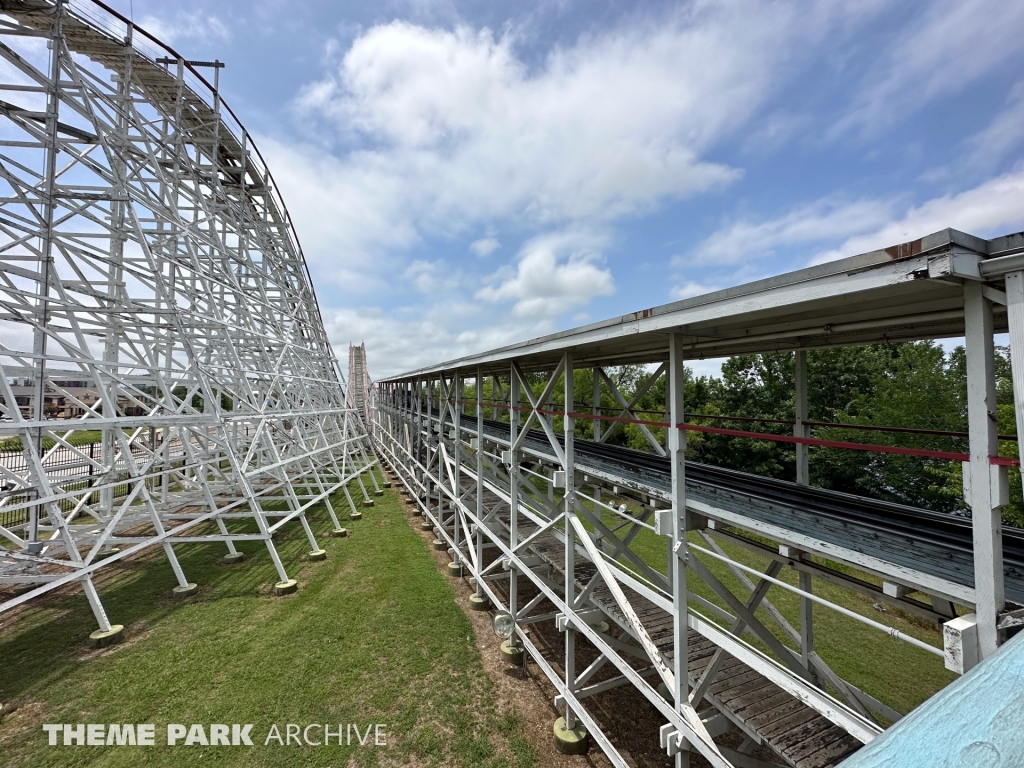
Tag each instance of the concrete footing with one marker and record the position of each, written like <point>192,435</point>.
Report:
<point>233,557</point>
<point>367,503</point>
<point>356,516</point>
<point>187,591</point>
<point>386,483</point>
<point>21,589</point>
<point>101,639</point>
<point>426,525</point>
<point>103,554</point>
<point>570,741</point>
<point>479,602</point>
<point>440,545</point>
<point>338,533</point>
<point>317,555</point>
<point>378,493</point>
<point>512,654</point>
<point>455,569</point>
<point>286,587</point>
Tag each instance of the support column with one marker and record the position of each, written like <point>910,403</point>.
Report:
<point>1015,316</point>
<point>442,412</point>
<point>418,441</point>
<point>513,493</point>
<point>457,457</point>
<point>675,383</point>
<point>569,424</point>
<point>982,428</point>
<point>800,428</point>
<point>803,477</point>
<point>598,424</point>
<point>480,479</point>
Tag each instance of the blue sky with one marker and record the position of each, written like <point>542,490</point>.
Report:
<point>467,174</point>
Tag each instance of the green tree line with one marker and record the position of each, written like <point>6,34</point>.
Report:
<point>910,385</point>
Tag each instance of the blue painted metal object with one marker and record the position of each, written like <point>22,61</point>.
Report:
<point>975,722</point>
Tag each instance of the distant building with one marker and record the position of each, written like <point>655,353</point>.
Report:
<point>63,398</point>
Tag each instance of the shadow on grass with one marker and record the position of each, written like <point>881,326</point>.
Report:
<point>52,631</point>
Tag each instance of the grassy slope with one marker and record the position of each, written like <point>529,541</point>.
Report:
<point>373,635</point>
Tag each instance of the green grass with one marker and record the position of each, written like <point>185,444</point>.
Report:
<point>374,635</point>
<point>894,672</point>
<point>77,438</point>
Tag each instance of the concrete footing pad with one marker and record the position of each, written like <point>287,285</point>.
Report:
<point>455,569</point>
<point>21,589</point>
<point>101,639</point>
<point>187,591</point>
<point>367,503</point>
<point>356,516</point>
<point>570,741</point>
<point>426,525</point>
<point>479,602</point>
<point>338,533</point>
<point>440,544</point>
<point>511,653</point>
<point>106,553</point>
<point>286,587</point>
<point>317,555</point>
<point>378,493</point>
<point>386,483</point>
<point>233,557</point>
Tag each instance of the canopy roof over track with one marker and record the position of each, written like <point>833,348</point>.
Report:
<point>905,292</point>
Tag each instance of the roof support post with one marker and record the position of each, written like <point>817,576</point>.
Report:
<point>803,477</point>
<point>513,493</point>
<point>459,388</point>
<point>442,413</point>
<point>479,474</point>
<point>568,505</point>
<point>675,383</point>
<point>597,406</point>
<point>800,428</point>
<point>418,440</point>
<point>1015,316</point>
<point>982,428</point>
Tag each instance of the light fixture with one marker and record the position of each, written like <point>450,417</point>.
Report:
<point>503,625</point>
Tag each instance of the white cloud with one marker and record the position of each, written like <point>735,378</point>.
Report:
<point>554,274</point>
<point>824,220</point>
<point>422,133</point>
<point>485,246</point>
<point>1001,135</point>
<point>690,288</point>
<point>951,44</point>
<point>201,27</point>
<point>990,209</point>
<point>432,277</point>
<point>396,343</point>
<point>348,214</point>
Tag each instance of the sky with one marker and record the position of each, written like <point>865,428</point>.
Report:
<point>467,174</point>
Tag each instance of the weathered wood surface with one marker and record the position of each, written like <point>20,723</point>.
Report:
<point>975,722</point>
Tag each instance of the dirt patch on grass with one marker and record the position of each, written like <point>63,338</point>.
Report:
<point>20,718</point>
